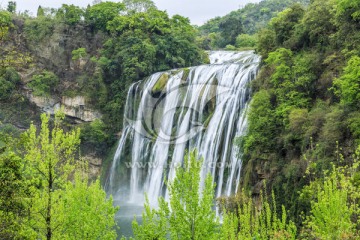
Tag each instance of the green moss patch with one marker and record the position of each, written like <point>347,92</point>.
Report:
<point>186,72</point>
<point>161,83</point>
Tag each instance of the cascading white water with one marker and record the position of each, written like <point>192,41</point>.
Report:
<point>171,112</point>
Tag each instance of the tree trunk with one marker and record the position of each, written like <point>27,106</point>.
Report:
<point>48,212</point>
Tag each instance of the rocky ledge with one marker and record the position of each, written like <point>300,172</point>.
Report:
<point>75,107</point>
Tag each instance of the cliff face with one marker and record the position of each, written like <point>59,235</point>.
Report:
<point>53,53</point>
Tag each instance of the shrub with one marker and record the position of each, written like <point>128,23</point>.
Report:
<point>253,222</point>
<point>38,29</point>
<point>44,83</point>
<point>94,132</point>
<point>246,41</point>
<point>347,87</point>
<point>230,48</point>
<point>8,81</point>
<point>78,53</point>
<point>331,211</point>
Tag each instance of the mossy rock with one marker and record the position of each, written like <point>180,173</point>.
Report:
<point>206,58</point>
<point>186,72</point>
<point>160,84</point>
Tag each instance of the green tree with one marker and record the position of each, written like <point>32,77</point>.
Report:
<point>14,193</point>
<point>95,135</point>
<point>354,125</point>
<point>61,209</point>
<point>155,223</point>
<point>10,60</point>
<point>290,80</point>
<point>230,47</point>
<point>331,212</point>
<point>284,23</point>
<point>100,14</point>
<point>43,84</point>
<point>5,24</point>
<point>216,41</point>
<point>261,130</point>
<point>86,211</point>
<point>40,12</point>
<point>349,8</point>
<point>10,57</point>
<point>249,221</point>
<point>50,159</point>
<point>266,42</point>
<point>245,41</point>
<point>139,5</point>
<point>70,14</point>
<point>9,79</point>
<point>11,7</point>
<point>347,87</point>
<point>189,214</point>
<point>230,28</point>
<point>318,22</point>
<point>78,53</point>
<point>39,29</point>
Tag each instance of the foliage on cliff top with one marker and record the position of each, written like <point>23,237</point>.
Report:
<point>249,19</point>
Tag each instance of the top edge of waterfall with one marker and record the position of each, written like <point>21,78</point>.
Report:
<point>218,57</point>
<point>229,57</point>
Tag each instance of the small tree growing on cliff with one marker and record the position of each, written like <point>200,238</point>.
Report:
<point>78,54</point>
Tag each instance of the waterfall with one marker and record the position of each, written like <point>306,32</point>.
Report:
<point>167,114</point>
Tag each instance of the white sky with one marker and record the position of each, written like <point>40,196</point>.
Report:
<point>199,11</point>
